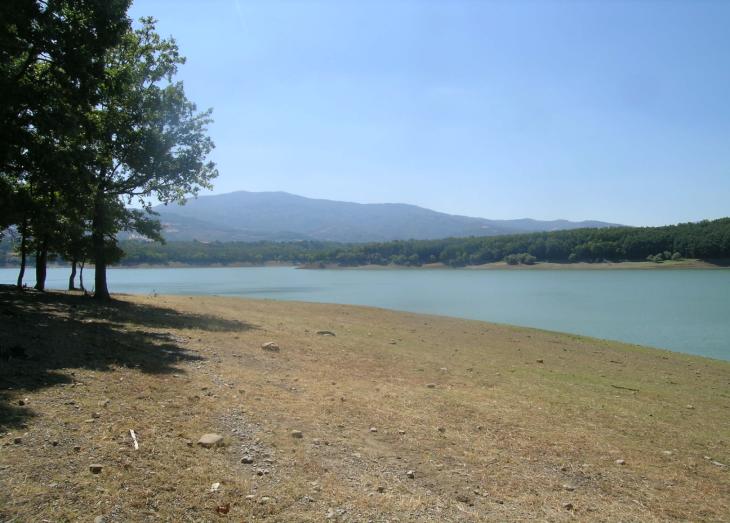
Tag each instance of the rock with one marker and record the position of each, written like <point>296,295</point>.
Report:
<point>411,474</point>
<point>210,440</point>
<point>104,402</point>
<point>463,498</point>
<point>270,346</point>
<point>95,468</point>
<point>444,369</point>
<point>381,489</point>
<point>297,434</point>
<point>569,488</point>
<point>215,487</point>
<point>250,497</point>
<point>441,429</point>
<point>17,440</point>
<point>568,506</point>
<point>620,462</point>
<point>540,361</point>
<point>54,443</point>
<point>22,402</point>
<point>99,519</point>
<point>77,448</point>
<point>247,460</point>
<point>326,333</point>
<point>316,441</point>
<point>401,432</point>
<point>690,407</point>
<point>95,415</point>
<point>431,385</point>
<point>373,429</point>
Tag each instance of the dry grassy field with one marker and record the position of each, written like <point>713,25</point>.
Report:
<point>389,417</point>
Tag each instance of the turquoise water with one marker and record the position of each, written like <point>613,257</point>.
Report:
<point>681,310</point>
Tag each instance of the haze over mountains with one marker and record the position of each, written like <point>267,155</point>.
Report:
<point>280,216</point>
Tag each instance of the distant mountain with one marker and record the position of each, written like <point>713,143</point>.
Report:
<point>280,216</point>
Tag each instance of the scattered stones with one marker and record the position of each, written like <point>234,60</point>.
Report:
<point>247,460</point>
<point>270,346</point>
<point>326,333</point>
<point>96,468</point>
<point>620,462</point>
<point>210,440</point>
<point>297,434</point>
<point>430,385</point>
<point>411,474</point>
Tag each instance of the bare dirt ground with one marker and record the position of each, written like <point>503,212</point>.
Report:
<point>395,417</point>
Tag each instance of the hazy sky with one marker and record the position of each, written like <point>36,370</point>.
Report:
<point>618,111</point>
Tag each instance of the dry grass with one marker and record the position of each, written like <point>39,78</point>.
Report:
<point>530,421</point>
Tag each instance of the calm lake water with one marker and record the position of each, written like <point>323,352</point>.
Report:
<point>681,310</point>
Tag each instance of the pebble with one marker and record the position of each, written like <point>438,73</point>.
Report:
<point>96,415</point>
<point>569,488</point>
<point>77,448</point>
<point>620,462</point>
<point>21,402</point>
<point>210,440</point>
<point>99,519</point>
<point>373,429</point>
<point>95,468</point>
<point>381,489</point>
<point>247,460</point>
<point>401,432</point>
<point>411,474</point>
<point>18,440</point>
<point>541,361</point>
<point>441,429</point>
<point>568,506</point>
<point>297,434</point>
<point>326,333</point>
<point>431,385</point>
<point>270,346</point>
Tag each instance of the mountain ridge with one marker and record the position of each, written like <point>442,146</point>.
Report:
<point>282,216</point>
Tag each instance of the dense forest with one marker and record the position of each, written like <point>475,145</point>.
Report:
<point>709,240</point>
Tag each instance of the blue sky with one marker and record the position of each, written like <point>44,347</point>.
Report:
<point>617,111</point>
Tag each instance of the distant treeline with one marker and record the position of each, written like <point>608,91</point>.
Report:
<point>704,240</point>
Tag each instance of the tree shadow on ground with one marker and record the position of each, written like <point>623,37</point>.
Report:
<point>44,336</point>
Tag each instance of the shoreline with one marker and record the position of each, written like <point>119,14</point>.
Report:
<point>401,415</point>
<point>689,264</point>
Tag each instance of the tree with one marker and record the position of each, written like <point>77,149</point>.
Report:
<point>149,141</point>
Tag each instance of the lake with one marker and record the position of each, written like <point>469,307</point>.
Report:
<point>681,310</point>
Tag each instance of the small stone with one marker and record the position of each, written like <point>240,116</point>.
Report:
<point>210,440</point>
<point>54,443</point>
<point>373,429</point>
<point>215,487</point>
<point>297,434</point>
<point>690,407</point>
<point>569,488</point>
<point>96,415</point>
<point>568,506</point>
<point>667,452</point>
<point>411,474</point>
<point>17,440</point>
<point>95,468</point>
<point>620,462</point>
<point>21,402</point>
<point>247,460</point>
<point>250,497</point>
<point>463,498</point>
<point>540,361</point>
<point>104,402</point>
<point>326,333</point>
<point>270,346</point>
<point>431,385</point>
<point>381,489</point>
<point>99,519</point>
<point>441,429</point>
<point>401,432</point>
<point>77,448</point>
<point>264,500</point>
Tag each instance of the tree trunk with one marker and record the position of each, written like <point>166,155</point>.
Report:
<point>81,277</point>
<point>72,278</point>
<point>101,291</point>
<point>23,253</point>
<point>41,261</point>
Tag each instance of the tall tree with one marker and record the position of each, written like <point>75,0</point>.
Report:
<point>149,142</point>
